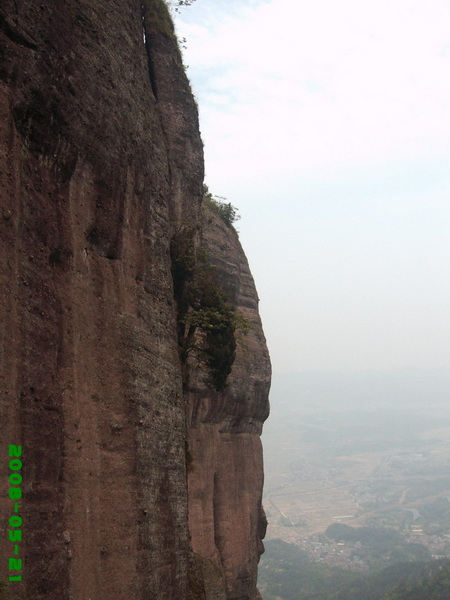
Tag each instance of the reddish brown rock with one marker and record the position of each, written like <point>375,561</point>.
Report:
<point>100,161</point>
<point>90,377</point>
<point>225,486</point>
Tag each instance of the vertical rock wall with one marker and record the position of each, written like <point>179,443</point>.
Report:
<point>100,162</point>
<point>225,484</point>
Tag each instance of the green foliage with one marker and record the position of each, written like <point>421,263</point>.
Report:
<point>436,515</point>
<point>286,572</point>
<point>225,210</point>
<point>381,538</point>
<point>207,323</point>
<point>184,2</point>
<point>176,4</point>
<point>435,585</point>
<point>380,546</point>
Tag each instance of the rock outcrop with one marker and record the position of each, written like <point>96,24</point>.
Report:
<point>101,162</point>
<point>225,483</point>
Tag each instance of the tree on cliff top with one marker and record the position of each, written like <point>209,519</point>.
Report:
<point>225,210</point>
<point>177,3</point>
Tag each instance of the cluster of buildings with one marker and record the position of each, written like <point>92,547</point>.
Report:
<point>332,553</point>
<point>438,545</point>
<point>353,556</point>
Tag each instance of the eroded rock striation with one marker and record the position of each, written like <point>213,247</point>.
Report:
<point>101,163</point>
<point>225,483</point>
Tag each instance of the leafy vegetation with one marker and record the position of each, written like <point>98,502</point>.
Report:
<point>378,546</point>
<point>378,537</point>
<point>225,210</point>
<point>436,516</point>
<point>207,322</point>
<point>176,4</point>
<point>434,586</point>
<point>285,571</point>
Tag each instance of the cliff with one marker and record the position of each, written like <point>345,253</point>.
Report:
<point>101,165</point>
<point>225,484</point>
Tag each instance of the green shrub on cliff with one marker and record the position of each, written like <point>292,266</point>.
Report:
<point>434,586</point>
<point>177,3</point>
<point>207,322</point>
<point>225,210</point>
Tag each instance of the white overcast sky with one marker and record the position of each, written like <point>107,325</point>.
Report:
<point>327,123</point>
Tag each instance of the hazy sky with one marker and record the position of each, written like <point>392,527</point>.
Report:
<point>328,125</point>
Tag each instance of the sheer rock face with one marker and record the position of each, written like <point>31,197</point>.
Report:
<point>225,486</point>
<point>100,161</point>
